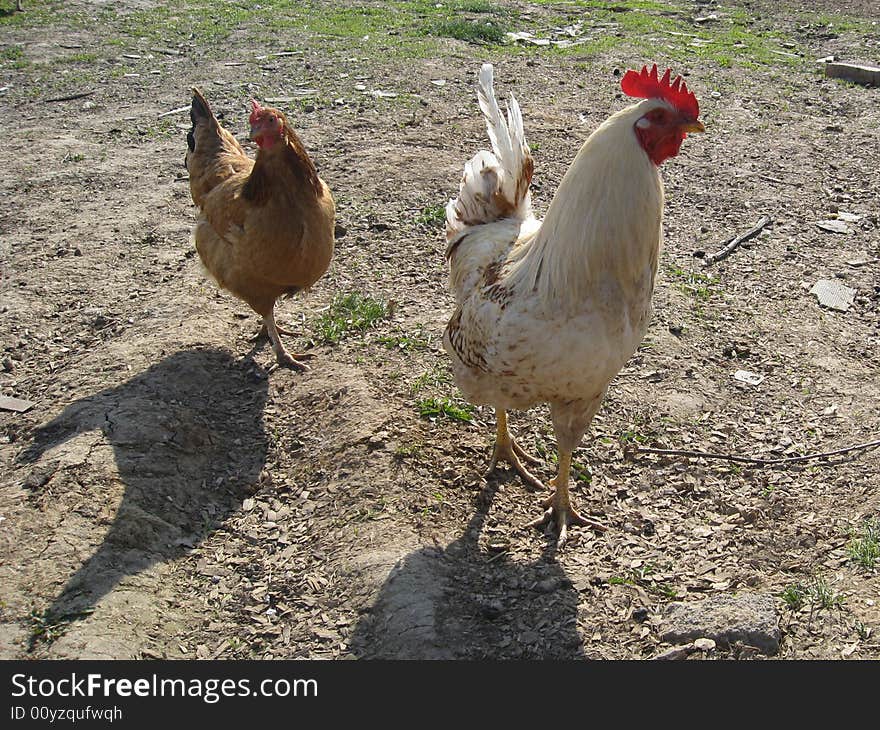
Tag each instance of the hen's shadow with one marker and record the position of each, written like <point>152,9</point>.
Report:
<point>188,443</point>
<point>463,602</point>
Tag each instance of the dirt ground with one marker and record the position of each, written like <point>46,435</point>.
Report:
<point>171,494</point>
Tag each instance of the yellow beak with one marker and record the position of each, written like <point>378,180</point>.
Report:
<point>692,127</point>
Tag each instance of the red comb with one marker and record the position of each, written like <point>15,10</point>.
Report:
<point>646,85</point>
<point>255,113</point>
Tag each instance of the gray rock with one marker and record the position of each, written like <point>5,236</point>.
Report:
<point>748,619</point>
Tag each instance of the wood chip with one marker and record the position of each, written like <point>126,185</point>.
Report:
<point>834,295</point>
<point>18,405</point>
<point>833,226</point>
<point>179,110</point>
<point>744,376</point>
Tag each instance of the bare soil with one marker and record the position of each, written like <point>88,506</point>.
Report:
<point>172,494</point>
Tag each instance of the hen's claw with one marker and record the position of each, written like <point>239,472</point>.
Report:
<point>263,334</point>
<point>286,360</point>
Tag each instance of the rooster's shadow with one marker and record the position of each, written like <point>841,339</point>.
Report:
<point>463,602</point>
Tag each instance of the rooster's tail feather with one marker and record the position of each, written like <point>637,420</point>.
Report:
<point>495,184</point>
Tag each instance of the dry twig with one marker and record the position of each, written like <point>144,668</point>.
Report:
<point>736,241</point>
<point>758,461</point>
<point>71,97</point>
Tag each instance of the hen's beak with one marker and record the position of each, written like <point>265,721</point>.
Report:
<point>691,127</point>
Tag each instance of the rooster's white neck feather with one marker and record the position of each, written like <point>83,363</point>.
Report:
<point>603,227</point>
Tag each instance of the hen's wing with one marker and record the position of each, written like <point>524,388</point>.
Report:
<point>495,184</point>
<point>214,154</point>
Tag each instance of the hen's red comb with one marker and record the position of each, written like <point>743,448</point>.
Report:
<point>647,85</point>
<point>255,113</point>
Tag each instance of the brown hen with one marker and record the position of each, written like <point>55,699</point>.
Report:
<point>266,225</point>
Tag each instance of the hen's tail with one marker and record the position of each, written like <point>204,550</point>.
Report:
<point>495,184</point>
<point>213,152</point>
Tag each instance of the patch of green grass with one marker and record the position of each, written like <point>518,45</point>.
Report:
<point>581,472</point>
<point>352,312</point>
<point>837,22</point>
<point>864,544</point>
<point>419,340</point>
<point>735,38</point>
<point>432,215</point>
<point>822,595</point>
<point>445,406</point>
<point>695,284</point>
<point>795,596</point>
<point>632,436</point>
<point>79,57</point>
<point>46,628</point>
<point>477,6</point>
<point>471,31</point>
<point>437,377</point>
<point>406,450</point>
<point>13,57</point>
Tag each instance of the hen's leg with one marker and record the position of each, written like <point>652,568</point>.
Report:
<point>559,509</point>
<point>264,333</point>
<point>506,449</point>
<point>284,358</point>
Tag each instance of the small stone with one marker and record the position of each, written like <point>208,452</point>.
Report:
<point>640,614</point>
<point>548,585</point>
<point>706,645</point>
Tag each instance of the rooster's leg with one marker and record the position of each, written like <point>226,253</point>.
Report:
<point>506,449</point>
<point>559,509</point>
<point>284,358</point>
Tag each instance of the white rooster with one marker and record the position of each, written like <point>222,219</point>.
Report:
<point>550,311</point>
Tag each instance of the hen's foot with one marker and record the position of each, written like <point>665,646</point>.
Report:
<point>286,360</point>
<point>263,334</point>
<point>558,511</point>
<point>508,450</point>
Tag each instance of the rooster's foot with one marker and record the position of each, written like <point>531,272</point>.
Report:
<point>559,512</point>
<point>510,451</point>
<point>524,455</point>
